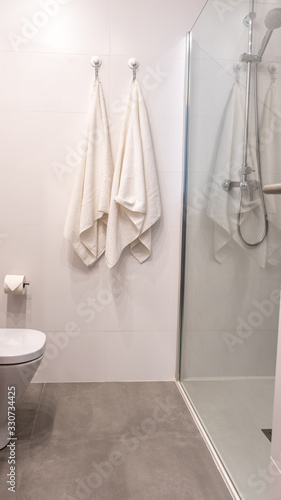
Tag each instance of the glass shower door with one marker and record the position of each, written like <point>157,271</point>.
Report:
<point>230,290</point>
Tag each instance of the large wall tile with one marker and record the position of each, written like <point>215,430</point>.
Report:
<point>130,356</point>
<point>42,141</point>
<point>48,82</point>
<point>56,26</point>
<point>129,297</point>
<point>157,32</point>
<point>267,349</point>
<point>22,196</point>
<point>210,354</point>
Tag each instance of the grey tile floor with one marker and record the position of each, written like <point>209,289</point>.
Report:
<point>109,441</point>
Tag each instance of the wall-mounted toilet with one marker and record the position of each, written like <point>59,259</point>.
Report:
<point>21,352</point>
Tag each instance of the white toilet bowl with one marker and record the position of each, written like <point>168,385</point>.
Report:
<point>21,352</point>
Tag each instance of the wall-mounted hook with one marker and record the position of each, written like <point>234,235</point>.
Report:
<point>237,69</point>
<point>272,68</point>
<point>96,62</point>
<point>133,64</point>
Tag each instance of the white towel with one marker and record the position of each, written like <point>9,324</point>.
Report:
<point>223,206</point>
<point>87,216</point>
<point>270,151</point>
<point>135,198</point>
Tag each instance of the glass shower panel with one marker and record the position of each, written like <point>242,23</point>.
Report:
<point>231,289</point>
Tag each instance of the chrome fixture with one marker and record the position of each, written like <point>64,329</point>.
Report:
<point>133,64</point>
<point>96,62</point>
<point>272,21</point>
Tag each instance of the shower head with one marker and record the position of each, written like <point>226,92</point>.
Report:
<point>272,21</point>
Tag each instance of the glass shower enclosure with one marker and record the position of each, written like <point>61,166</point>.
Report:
<point>231,238</point>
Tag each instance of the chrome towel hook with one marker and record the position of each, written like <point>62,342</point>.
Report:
<point>272,68</point>
<point>96,62</point>
<point>237,69</point>
<point>133,64</point>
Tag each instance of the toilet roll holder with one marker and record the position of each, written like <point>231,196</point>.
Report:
<point>25,283</point>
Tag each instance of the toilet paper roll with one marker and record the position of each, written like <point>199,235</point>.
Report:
<point>14,284</point>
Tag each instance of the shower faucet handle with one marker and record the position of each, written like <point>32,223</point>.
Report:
<point>245,171</point>
<point>250,193</point>
<point>252,186</point>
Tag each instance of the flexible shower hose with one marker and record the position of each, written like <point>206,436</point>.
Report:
<point>259,173</point>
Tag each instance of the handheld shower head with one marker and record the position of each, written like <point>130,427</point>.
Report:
<point>272,21</point>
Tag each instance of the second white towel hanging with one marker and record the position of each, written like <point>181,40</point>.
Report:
<point>135,199</point>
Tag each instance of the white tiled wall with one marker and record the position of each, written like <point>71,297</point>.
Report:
<point>46,79</point>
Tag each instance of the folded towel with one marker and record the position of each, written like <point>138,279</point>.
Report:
<point>135,198</point>
<point>270,152</point>
<point>86,222</point>
<point>223,206</point>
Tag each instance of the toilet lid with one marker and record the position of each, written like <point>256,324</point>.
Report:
<point>19,346</point>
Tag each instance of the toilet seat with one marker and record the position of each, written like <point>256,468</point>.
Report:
<point>20,346</point>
